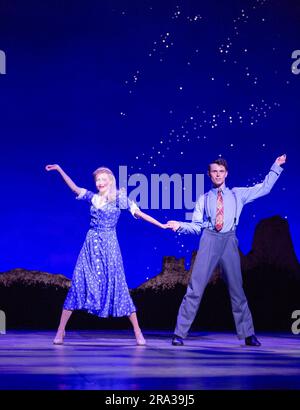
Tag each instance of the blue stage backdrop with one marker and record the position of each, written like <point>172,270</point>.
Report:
<point>157,86</point>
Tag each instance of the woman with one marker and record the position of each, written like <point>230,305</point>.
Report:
<point>98,284</point>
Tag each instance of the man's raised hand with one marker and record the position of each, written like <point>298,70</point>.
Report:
<point>281,160</point>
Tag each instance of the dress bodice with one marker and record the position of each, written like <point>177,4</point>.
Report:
<point>105,216</point>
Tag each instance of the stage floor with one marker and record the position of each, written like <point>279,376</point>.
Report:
<point>110,360</point>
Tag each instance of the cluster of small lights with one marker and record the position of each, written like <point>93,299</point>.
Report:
<point>159,47</point>
<point>259,3</point>
<point>258,111</point>
<point>197,17</point>
<point>176,14</point>
<point>226,47</point>
<point>132,81</point>
<point>250,76</point>
<point>196,127</point>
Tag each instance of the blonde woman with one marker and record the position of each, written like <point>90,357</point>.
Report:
<point>99,284</point>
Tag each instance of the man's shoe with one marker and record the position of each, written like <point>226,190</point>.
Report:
<point>177,341</point>
<point>252,341</point>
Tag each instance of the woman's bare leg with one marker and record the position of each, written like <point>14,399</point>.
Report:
<point>65,316</point>
<point>137,330</point>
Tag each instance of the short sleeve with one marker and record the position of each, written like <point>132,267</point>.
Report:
<point>85,195</point>
<point>126,203</point>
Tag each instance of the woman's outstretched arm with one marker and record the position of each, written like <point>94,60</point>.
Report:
<point>65,177</point>
<point>139,214</point>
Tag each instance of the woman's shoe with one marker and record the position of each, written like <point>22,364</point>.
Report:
<point>59,338</point>
<point>140,341</point>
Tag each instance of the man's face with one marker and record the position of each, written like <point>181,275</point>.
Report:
<point>217,174</point>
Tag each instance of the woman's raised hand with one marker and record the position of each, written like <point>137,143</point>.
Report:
<point>54,167</point>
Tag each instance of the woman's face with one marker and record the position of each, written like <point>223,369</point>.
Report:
<point>103,182</point>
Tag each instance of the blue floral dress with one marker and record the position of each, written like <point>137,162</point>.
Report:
<point>99,284</point>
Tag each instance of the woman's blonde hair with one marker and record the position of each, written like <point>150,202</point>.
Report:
<point>112,191</point>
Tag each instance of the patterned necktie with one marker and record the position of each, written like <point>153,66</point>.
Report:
<point>220,212</point>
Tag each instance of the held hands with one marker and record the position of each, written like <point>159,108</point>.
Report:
<point>281,160</point>
<point>53,167</point>
<point>164,226</point>
<point>174,225</point>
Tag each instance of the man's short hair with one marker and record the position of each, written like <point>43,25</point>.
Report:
<point>219,161</point>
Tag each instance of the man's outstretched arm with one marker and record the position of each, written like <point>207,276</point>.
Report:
<point>259,190</point>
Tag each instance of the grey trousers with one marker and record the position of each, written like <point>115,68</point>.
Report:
<point>216,248</point>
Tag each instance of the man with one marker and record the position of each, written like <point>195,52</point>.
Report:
<point>217,212</point>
